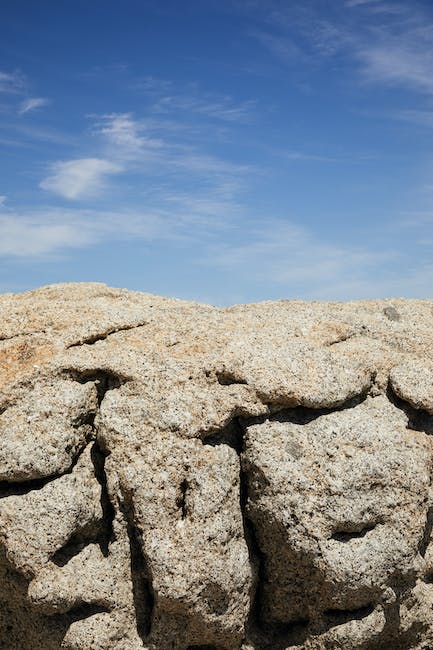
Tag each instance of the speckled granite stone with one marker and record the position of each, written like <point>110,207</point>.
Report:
<point>178,476</point>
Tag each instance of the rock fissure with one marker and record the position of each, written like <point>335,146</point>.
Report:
<point>102,336</point>
<point>143,593</point>
<point>417,419</point>
<point>21,335</point>
<point>348,535</point>
<point>427,533</point>
<point>181,500</point>
<point>108,512</point>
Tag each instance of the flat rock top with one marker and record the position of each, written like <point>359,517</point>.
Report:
<point>176,475</point>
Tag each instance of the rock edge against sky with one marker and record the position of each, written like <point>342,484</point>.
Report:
<point>175,475</point>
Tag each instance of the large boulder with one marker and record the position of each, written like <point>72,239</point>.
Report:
<point>179,476</point>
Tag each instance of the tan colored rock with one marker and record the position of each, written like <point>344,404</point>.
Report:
<point>177,476</point>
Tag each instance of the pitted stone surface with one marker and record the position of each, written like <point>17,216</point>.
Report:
<point>177,476</point>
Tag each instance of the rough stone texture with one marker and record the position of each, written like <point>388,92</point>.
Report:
<point>173,475</point>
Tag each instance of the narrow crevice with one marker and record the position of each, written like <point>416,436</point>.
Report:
<point>227,378</point>
<point>233,435</point>
<point>108,513</point>
<point>98,532</point>
<point>85,610</point>
<point>343,338</point>
<point>334,617</point>
<point>104,380</point>
<point>142,589</point>
<point>349,534</point>
<point>428,578</point>
<point>19,488</point>
<point>181,499</point>
<point>21,335</point>
<point>75,544</point>
<point>304,414</point>
<point>256,556</point>
<point>427,533</point>
<point>101,532</point>
<point>90,340</point>
<point>417,419</point>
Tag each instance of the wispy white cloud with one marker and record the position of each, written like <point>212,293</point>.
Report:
<point>378,6</point>
<point>358,3</point>
<point>407,61</point>
<point>423,118</point>
<point>126,135</point>
<point>392,42</point>
<point>282,259</point>
<point>27,134</point>
<point>152,85</point>
<point>213,107</point>
<point>3,198</point>
<point>281,45</point>
<point>206,165</point>
<point>290,261</point>
<point>80,178</point>
<point>396,50</point>
<point>144,147</point>
<point>308,157</point>
<point>37,236</point>
<point>50,231</point>
<point>12,82</point>
<point>31,104</point>
<point>172,99</point>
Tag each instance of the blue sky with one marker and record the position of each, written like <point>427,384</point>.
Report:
<point>224,151</point>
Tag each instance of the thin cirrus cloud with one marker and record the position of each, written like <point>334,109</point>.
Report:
<point>35,236</point>
<point>295,263</point>
<point>127,141</point>
<point>220,108</point>
<point>11,82</point>
<point>125,144</point>
<point>168,98</point>
<point>48,231</point>
<point>80,178</point>
<point>358,3</point>
<point>396,50</point>
<point>408,63</point>
<point>2,199</point>
<point>32,104</point>
<point>419,118</point>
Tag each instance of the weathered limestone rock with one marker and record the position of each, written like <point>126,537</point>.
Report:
<point>173,475</point>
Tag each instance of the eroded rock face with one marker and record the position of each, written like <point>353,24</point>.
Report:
<point>174,475</point>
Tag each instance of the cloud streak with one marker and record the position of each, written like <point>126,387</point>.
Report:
<point>12,82</point>
<point>149,148</point>
<point>391,42</point>
<point>80,178</point>
<point>47,231</point>
<point>286,260</point>
<point>125,136</point>
<point>32,104</point>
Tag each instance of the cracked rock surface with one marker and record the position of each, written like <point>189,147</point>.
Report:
<point>178,476</point>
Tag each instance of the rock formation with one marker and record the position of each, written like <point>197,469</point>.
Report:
<point>178,476</point>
